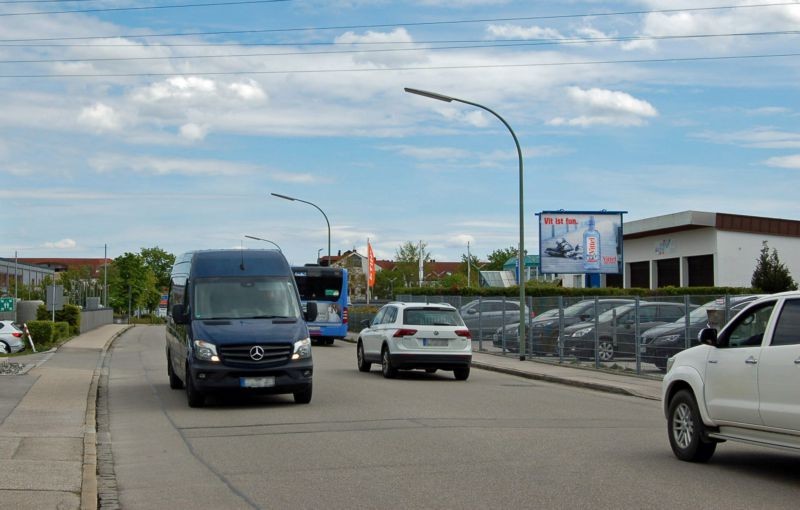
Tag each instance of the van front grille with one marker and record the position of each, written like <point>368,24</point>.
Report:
<point>248,354</point>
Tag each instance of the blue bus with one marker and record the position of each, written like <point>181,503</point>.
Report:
<point>327,286</point>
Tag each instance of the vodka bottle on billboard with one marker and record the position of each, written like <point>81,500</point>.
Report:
<point>591,246</point>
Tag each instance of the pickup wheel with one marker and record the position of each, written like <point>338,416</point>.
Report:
<point>363,364</point>
<point>686,429</point>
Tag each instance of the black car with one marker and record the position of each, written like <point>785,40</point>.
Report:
<point>660,343</point>
<point>543,331</point>
<point>616,330</point>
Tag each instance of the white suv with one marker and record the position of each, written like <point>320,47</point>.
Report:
<point>406,336</point>
<point>740,384</point>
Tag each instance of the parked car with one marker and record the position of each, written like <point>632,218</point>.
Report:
<point>661,342</point>
<point>616,330</point>
<point>544,330</point>
<point>740,384</point>
<point>11,337</point>
<point>484,316</point>
<point>407,336</point>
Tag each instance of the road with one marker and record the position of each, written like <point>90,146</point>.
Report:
<point>420,441</point>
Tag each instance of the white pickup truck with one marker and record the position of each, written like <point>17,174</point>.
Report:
<point>742,384</point>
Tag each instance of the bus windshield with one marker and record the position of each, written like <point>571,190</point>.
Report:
<point>326,287</point>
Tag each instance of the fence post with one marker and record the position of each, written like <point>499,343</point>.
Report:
<point>687,333</point>
<point>560,337</point>
<point>480,325</point>
<point>596,335</point>
<point>636,340</point>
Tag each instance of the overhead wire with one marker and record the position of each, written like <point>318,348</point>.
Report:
<point>493,44</point>
<point>411,24</point>
<point>142,8</point>
<point>416,68</point>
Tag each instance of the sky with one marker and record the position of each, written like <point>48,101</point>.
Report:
<point>138,123</point>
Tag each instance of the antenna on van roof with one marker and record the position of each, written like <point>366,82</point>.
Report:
<point>241,251</point>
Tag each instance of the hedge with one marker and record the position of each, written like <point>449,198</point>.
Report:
<point>71,314</point>
<point>538,290</point>
<point>46,334</point>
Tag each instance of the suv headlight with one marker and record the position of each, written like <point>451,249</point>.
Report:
<point>670,362</point>
<point>302,349</point>
<point>205,351</point>
<point>582,332</point>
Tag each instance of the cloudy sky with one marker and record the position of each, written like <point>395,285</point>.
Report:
<point>135,123</point>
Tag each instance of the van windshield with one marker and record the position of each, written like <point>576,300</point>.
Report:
<point>245,297</point>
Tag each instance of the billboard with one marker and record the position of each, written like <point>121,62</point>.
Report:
<point>580,242</point>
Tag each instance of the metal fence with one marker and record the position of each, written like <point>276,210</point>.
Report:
<point>627,333</point>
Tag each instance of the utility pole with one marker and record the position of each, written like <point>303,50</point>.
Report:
<point>469,267</point>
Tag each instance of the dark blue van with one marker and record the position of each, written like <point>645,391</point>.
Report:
<point>235,323</point>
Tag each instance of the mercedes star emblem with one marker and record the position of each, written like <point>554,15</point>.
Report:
<point>257,353</point>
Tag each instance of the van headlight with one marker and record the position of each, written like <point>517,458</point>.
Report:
<point>205,351</point>
<point>302,349</point>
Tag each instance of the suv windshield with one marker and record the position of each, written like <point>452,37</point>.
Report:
<point>245,298</point>
<point>431,317</point>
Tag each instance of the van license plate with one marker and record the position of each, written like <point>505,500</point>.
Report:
<point>434,342</point>
<point>256,382</point>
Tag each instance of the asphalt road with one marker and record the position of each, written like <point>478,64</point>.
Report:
<point>420,441</point>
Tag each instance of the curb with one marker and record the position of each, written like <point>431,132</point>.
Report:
<point>89,482</point>
<point>563,380</point>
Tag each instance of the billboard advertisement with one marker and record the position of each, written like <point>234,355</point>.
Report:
<point>573,242</point>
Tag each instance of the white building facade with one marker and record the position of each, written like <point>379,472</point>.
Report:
<point>694,249</point>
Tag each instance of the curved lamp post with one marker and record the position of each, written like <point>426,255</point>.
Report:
<point>266,241</point>
<point>292,199</point>
<point>521,254</point>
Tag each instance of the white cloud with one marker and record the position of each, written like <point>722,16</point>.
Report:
<point>757,138</point>
<point>166,166</point>
<point>792,162</point>
<point>193,131</point>
<point>605,107</point>
<point>519,32</point>
<point>296,178</point>
<point>429,153</point>
<point>178,87</point>
<point>248,90</point>
<point>100,117</point>
<point>64,244</point>
<point>395,36</point>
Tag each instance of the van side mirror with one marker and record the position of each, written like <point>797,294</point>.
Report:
<point>310,315</point>
<point>708,336</point>
<point>179,314</point>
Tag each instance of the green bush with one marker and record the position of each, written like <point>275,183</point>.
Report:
<point>43,333</point>
<point>148,319</point>
<point>71,314</point>
<point>62,330</point>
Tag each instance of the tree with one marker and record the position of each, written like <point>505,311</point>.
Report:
<point>473,272</point>
<point>498,258</point>
<point>771,275</point>
<point>407,261</point>
<point>128,282</point>
<point>160,262</point>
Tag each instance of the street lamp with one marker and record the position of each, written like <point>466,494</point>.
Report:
<point>318,209</point>
<point>265,240</point>
<point>520,254</point>
<point>318,252</point>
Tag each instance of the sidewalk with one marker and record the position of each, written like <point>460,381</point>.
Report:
<point>47,433</point>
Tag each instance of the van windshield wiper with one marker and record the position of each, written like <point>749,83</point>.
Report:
<point>272,317</point>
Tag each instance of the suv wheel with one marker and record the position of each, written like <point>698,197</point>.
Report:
<point>363,364</point>
<point>389,372</point>
<point>686,429</point>
<point>461,374</point>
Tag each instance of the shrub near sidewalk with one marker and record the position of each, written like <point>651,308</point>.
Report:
<point>71,314</point>
<point>48,334</point>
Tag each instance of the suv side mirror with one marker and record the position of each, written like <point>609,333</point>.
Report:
<point>179,314</point>
<point>472,311</point>
<point>310,315</point>
<point>708,336</point>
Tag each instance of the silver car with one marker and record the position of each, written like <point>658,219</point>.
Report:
<point>11,338</point>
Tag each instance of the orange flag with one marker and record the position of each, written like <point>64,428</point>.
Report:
<point>371,265</point>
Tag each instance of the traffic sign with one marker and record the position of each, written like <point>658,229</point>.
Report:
<point>7,304</point>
